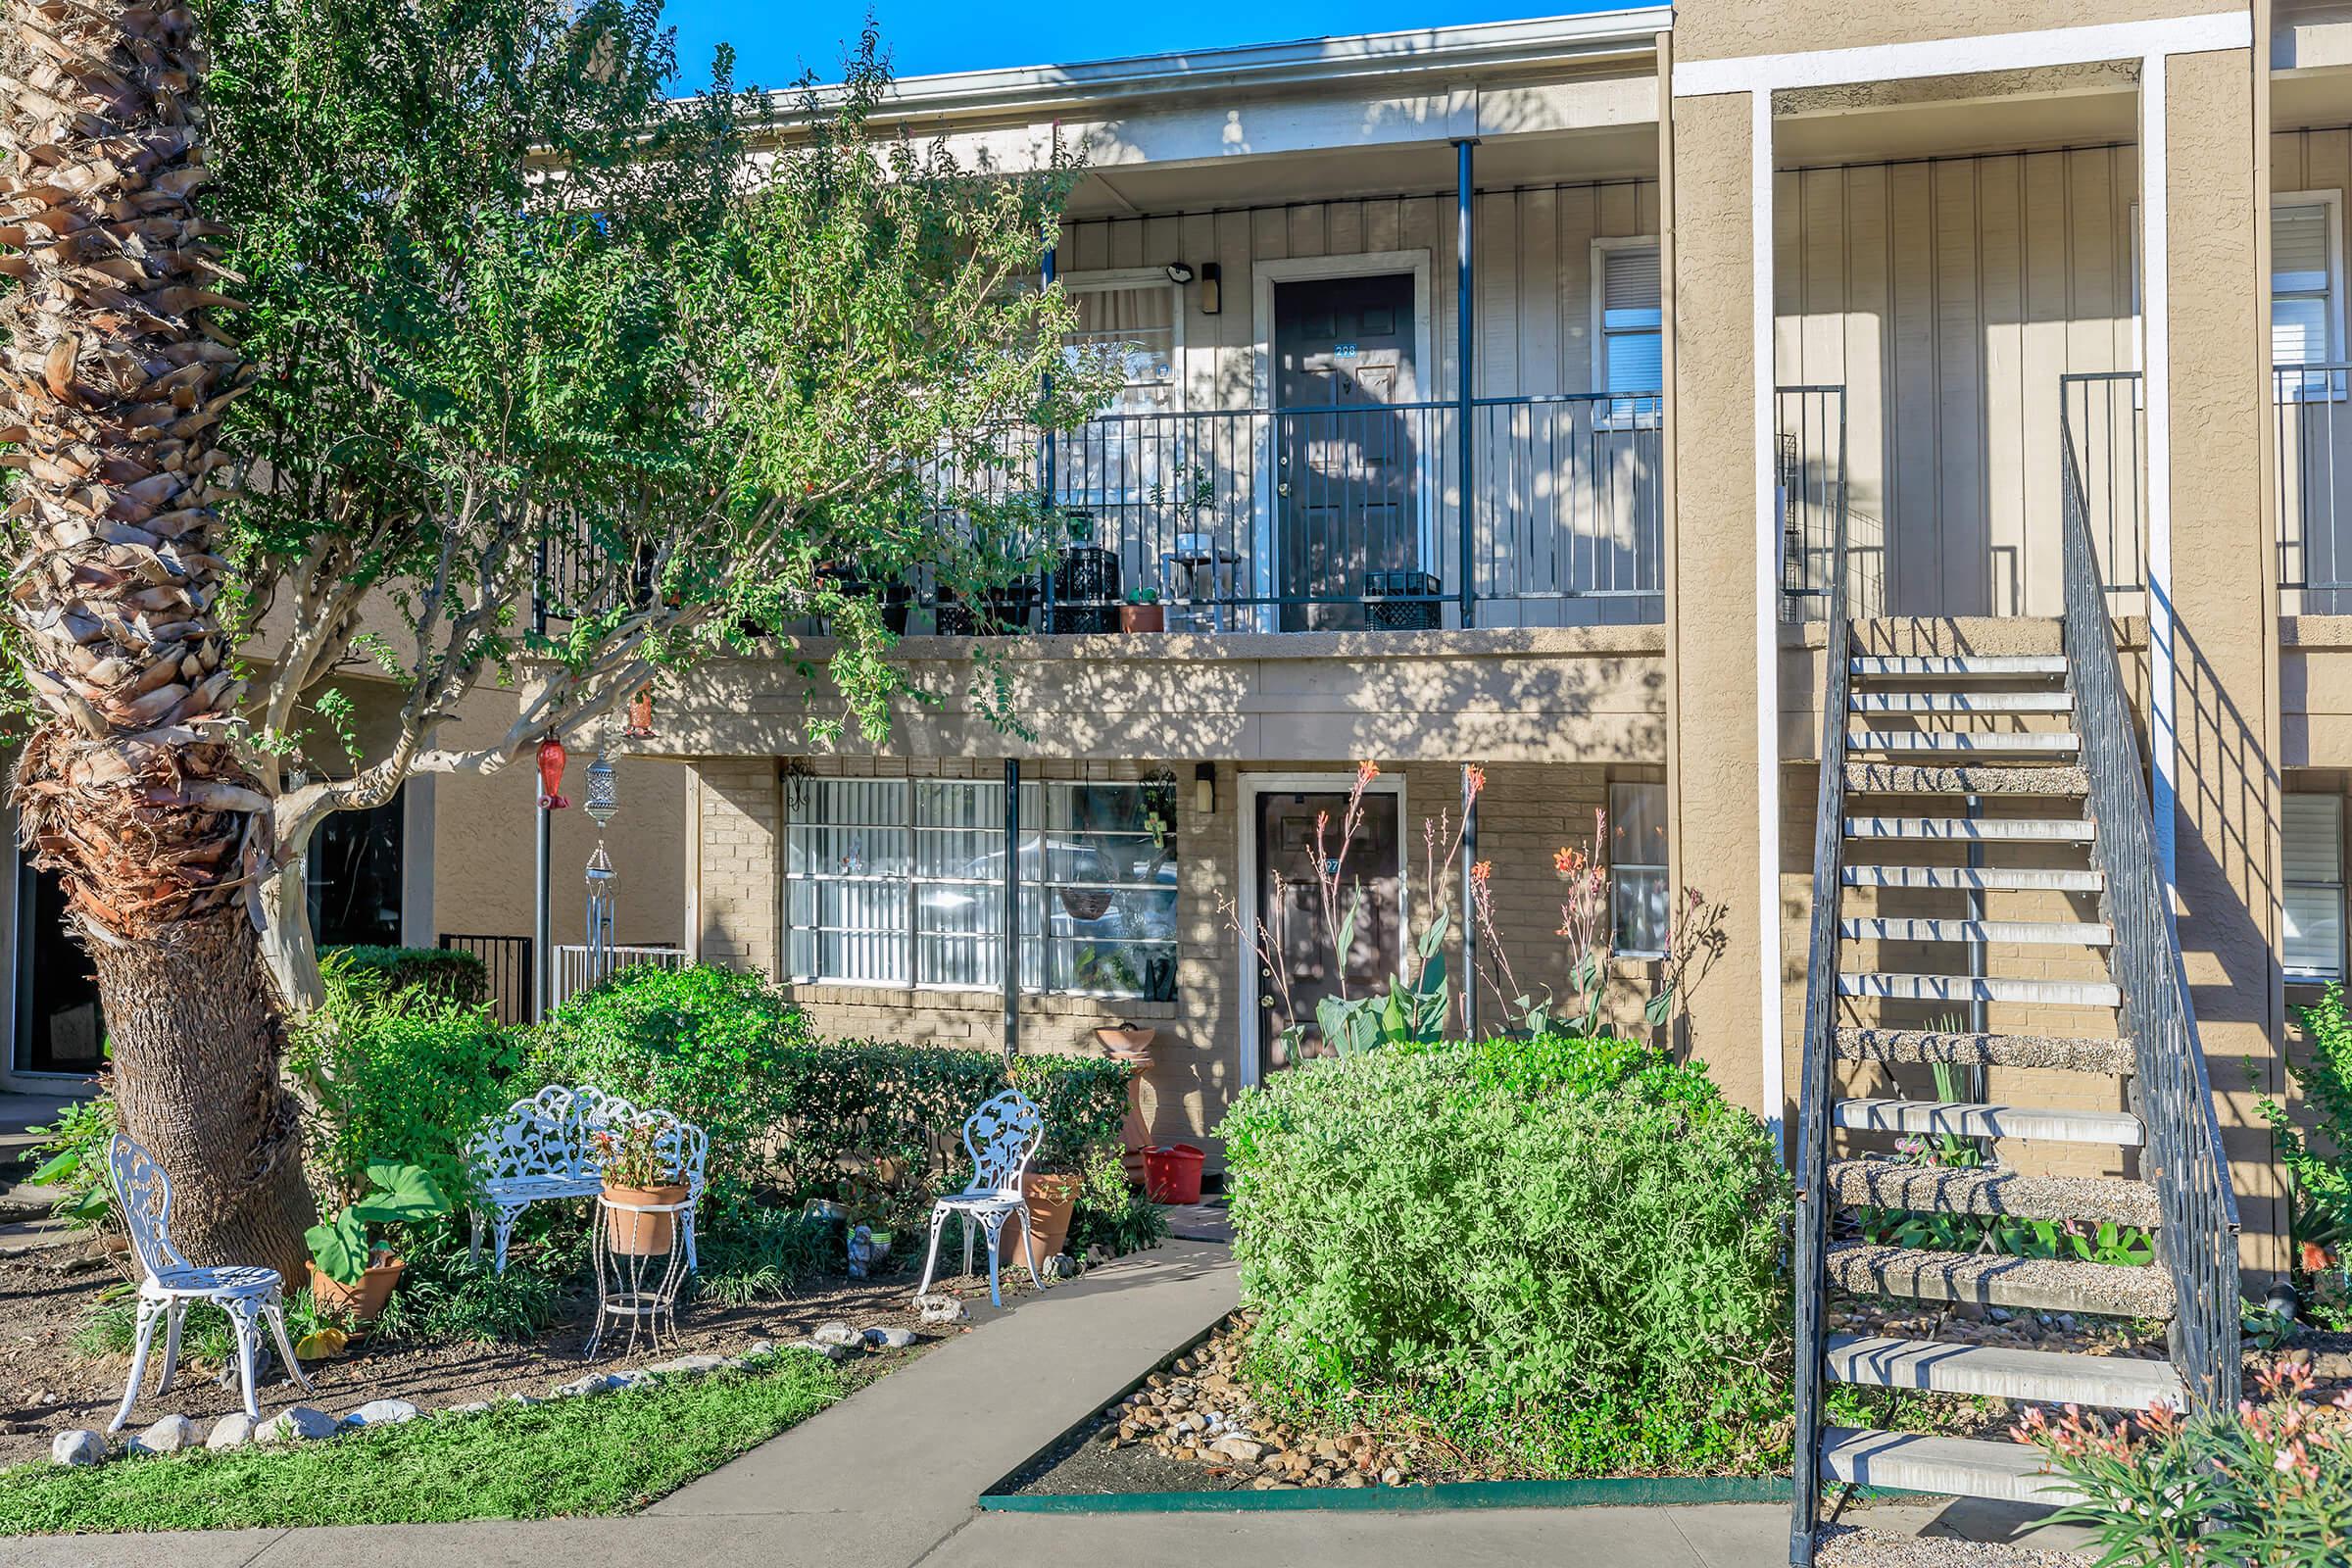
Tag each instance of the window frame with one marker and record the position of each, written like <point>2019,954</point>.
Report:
<point>2330,202</point>
<point>1640,411</point>
<point>2317,977</point>
<point>1661,867</point>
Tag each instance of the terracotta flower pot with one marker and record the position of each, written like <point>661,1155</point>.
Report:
<point>358,1302</point>
<point>1134,1047</point>
<point>1131,1045</point>
<point>642,1235</point>
<point>1051,1200</point>
<point>1143,617</point>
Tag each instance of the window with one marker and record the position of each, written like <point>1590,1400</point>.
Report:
<point>1135,316</point>
<point>1628,326</point>
<point>1638,869</point>
<point>353,871</point>
<point>2307,321</point>
<point>2313,856</point>
<point>891,882</point>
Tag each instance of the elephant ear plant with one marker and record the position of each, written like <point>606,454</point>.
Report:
<point>339,1248</point>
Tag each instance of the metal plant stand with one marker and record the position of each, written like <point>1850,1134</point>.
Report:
<point>638,1287</point>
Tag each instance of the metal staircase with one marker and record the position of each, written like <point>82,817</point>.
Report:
<point>1975,808</point>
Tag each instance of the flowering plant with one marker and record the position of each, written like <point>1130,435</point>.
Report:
<point>2269,1487</point>
<point>632,1156</point>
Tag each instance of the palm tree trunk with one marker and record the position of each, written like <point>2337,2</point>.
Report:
<point>111,382</point>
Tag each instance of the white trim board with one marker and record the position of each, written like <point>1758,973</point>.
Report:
<point>1765,445</point>
<point>1956,56</point>
<point>1248,787</point>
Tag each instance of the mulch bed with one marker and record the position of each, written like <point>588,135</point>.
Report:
<point>46,1386</point>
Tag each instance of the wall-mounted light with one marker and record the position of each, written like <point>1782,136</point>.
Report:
<point>1213,288</point>
<point>1204,789</point>
<point>1179,272</point>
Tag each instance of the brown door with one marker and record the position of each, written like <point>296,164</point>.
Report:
<point>1344,457</point>
<point>1291,906</point>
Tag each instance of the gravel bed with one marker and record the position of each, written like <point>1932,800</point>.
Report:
<point>1850,1546</point>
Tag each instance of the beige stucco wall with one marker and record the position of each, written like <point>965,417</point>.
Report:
<point>2315,691</point>
<point>1722,28</point>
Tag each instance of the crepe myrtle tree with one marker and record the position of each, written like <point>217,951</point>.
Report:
<point>564,388</point>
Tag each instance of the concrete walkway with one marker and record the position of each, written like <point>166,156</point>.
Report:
<point>887,1478</point>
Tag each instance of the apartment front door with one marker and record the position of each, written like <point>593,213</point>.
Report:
<point>1290,905</point>
<point>58,1026</point>
<point>1345,455</point>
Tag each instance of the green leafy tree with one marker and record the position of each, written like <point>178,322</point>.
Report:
<point>563,385</point>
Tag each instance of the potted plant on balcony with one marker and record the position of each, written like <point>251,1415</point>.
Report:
<point>1143,612</point>
<point>638,1175</point>
<point>1401,600</point>
<point>350,1278</point>
<point>1086,581</point>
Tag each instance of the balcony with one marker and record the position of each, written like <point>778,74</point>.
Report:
<point>2314,487</point>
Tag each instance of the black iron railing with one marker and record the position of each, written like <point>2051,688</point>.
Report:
<point>508,963</point>
<point>2102,428</point>
<point>1817,1053</point>
<point>2313,407</point>
<point>1809,496</point>
<point>2182,1157</point>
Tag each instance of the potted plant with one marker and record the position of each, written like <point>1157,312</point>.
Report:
<point>1086,581</point>
<point>1050,1196</point>
<point>638,1175</point>
<point>1132,1043</point>
<point>1143,612</point>
<point>351,1278</point>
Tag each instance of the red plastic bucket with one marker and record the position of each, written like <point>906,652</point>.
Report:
<point>1173,1175</point>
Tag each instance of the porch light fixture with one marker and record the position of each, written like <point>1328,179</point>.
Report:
<point>1204,789</point>
<point>1179,272</point>
<point>1213,288</point>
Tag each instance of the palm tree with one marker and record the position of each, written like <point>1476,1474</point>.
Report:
<point>113,379</point>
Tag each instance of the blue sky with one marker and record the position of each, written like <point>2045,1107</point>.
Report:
<point>773,41</point>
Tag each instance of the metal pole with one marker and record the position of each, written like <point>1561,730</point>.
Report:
<point>1045,471</point>
<point>542,952</point>
<point>1469,907</point>
<point>1465,336</point>
<point>1012,907</point>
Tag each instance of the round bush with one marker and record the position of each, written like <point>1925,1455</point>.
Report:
<point>1564,1249</point>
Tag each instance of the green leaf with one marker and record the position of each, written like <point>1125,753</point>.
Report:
<point>340,1248</point>
<point>402,1192</point>
<point>1434,939</point>
<point>57,1168</point>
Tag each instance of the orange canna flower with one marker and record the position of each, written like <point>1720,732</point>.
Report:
<point>1568,862</point>
<point>1480,871</point>
<point>1366,771</point>
<point>1474,780</point>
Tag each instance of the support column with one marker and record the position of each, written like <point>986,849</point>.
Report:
<point>1465,332</point>
<point>1012,906</point>
<point>1469,980</point>
<point>1722,637</point>
<point>2213,581</point>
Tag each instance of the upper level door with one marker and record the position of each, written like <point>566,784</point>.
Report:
<point>1346,458</point>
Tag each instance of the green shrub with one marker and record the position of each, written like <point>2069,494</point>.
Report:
<point>2319,1168</point>
<point>1563,1250</point>
<point>74,1152</point>
<point>398,1076</point>
<point>443,975</point>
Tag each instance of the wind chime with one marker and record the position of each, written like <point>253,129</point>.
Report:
<point>604,801</point>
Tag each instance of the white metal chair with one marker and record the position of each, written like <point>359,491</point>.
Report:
<point>247,1292</point>
<point>1001,1137</point>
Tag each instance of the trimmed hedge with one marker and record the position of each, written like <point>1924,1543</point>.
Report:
<point>445,975</point>
<point>1563,1251</point>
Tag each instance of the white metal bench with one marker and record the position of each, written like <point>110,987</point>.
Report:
<point>545,1147</point>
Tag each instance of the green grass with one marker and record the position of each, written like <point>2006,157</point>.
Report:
<point>608,1453</point>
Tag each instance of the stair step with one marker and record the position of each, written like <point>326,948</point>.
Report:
<point>1992,1279</point>
<point>2002,1372</point>
<point>2016,741</point>
<point>2064,1052</point>
<point>1976,829</point>
<point>2011,665</point>
<point>2079,933</point>
<point>1987,1194</point>
<point>1967,1467</point>
<point>1973,878</point>
<point>1979,988</point>
<point>1960,702</point>
<point>1960,1119</point>
<point>1898,778</point>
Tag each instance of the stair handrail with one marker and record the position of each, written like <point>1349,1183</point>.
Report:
<point>1816,1074</point>
<point>2182,1155</point>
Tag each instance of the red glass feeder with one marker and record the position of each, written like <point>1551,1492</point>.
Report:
<point>552,758</point>
<point>641,714</point>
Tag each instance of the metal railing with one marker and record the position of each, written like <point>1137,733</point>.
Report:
<point>508,963</point>
<point>1809,483</point>
<point>2102,437</point>
<point>575,970</point>
<point>2183,1157</point>
<point>2313,407</point>
<point>1818,1086</point>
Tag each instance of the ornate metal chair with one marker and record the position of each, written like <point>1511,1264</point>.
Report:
<point>544,1148</point>
<point>1001,1137</point>
<point>247,1292</point>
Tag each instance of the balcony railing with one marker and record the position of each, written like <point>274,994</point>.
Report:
<point>1298,520</point>
<point>2315,486</point>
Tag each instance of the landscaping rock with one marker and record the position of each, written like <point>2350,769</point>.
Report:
<point>1063,1267</point>
<point>941,1309</point>
<point>79,1447</point>
<point>688,1365</point>
<point>838,1332</point>
<point>831,1352</point>
<point>580,1387</point>
<point>521,1397</point>
<point>1241,1450</point>
<point>301,1423</point>
<point>470,1407</point>
<point>759,1347</point>
<point>232,1431</point>
<point>168,1436</point>
<point>382,1413</point>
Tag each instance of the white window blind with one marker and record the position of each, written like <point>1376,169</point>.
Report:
<point>1632,319</point>
<point>2313,856</point>
<point>2304,308</point>
<point>845,892</point>
<point>1137,323</point>
<point>1638,867</point>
